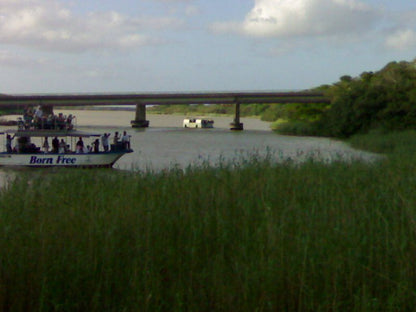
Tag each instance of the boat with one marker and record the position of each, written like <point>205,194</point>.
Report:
<point>191,122</point>
<point>30,149</point>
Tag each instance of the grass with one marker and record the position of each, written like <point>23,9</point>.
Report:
<point>298,128</point>
<point>392,143</point>
<point>260,237</point>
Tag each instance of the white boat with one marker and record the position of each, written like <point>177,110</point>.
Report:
<point>26,153</point>
<point>191,122</point>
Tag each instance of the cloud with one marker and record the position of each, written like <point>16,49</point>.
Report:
<point>297,18</point>
<point>48,24</point>
<point>401,33</point>
<point>401,39</point>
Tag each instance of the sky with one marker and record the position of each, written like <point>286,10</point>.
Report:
<point>107,46</point>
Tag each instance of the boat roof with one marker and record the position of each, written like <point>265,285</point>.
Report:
<point>50,133</point>
<point>202,118</point>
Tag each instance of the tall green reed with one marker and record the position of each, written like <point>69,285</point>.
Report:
<point>258,236</point>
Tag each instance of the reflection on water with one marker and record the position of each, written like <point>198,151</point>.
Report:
<point>165,143</point>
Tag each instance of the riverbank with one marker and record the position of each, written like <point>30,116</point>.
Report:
<point>261,236</point>
<point>392,143</point>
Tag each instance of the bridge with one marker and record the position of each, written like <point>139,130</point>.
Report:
<point>143,99</point>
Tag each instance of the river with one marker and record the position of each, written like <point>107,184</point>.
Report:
<point>165,143</point>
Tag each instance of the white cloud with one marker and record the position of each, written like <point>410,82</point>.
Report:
<point>401,39</point>
<point>400,33</point>
<point>294,18</point>
<point>48,24</point>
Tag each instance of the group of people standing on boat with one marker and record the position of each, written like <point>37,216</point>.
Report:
<point>38,119</point>
<point>35,120</point>
<point>120,142</point>
<point>23,144</point>
<point>60,146</point>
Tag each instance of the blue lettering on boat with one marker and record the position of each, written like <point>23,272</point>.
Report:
<point>66,160</point>
<point>61,160</point>
<point>41,160</point>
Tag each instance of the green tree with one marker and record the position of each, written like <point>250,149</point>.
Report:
<point>385,99</point>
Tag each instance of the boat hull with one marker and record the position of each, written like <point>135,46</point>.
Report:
<point>103,159</point>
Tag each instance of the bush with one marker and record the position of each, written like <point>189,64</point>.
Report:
<point>300,128</point>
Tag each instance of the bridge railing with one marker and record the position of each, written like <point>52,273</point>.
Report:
<point>163,98</point>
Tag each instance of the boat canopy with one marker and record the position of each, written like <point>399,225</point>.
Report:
<point>50,133</point>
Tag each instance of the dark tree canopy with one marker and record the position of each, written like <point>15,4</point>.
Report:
<point>384,100</point>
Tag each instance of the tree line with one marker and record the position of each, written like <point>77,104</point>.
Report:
<point>384,101</point>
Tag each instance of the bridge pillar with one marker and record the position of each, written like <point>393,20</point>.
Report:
<point>236,124</point>
<point>140,120</point>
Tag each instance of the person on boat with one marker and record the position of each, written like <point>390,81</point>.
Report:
<point>69,125</point>
<point>46,145</point>
<point>125,140</point>
<point>28,117</point>
<point>80,146</point>
<point>9,140</point>
<point>96,146</point>
<point>55,145</point>
<point>61,121</point>
<point>38,112</point>
<point>49,122</point>
<point>38,116</point>
<point>116,138</point>
<point>62,147</point>
<point>104,141</point>
<point>16,148</point>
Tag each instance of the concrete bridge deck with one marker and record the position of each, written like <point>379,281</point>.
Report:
<point>143,99</point>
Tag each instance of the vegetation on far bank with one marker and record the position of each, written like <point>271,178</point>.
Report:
<point>393,143</point>
<point>266,112</point>
<point>380,101</point>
